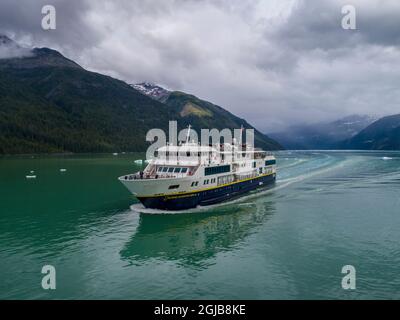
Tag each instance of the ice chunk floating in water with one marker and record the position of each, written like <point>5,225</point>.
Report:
<point>31,175</point>
<point>387,158</point>
<point>63,170</point>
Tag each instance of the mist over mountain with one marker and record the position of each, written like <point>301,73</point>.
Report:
<point>10,49</point>
<point>324,135</point>
<point>383,134</point>
<point>48,103</point>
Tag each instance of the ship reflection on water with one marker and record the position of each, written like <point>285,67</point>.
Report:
<point>190,239</point>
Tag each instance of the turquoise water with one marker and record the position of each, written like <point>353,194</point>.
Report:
<point>327,210</point>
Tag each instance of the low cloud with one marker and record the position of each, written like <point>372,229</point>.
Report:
<point>275,63</point>
<point>9,49</point>
<point>12,52</point>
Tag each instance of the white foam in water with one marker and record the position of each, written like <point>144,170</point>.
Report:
<point>138,207</point>
<point>295,163</point>
<point>387,158</point>
<point>63,170</point>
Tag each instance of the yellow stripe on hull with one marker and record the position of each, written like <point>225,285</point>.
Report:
<point>185,193</point>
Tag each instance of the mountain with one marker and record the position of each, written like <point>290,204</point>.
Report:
<point>383,134</point>
<point>49,103</point>
<point>325,135</point>
<point>202,114</point>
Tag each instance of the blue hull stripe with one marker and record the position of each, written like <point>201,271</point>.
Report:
<point>207,197</point>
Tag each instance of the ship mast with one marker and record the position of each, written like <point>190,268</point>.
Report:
<point>188,134</point>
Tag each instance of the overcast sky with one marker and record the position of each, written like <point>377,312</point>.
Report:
<point>273,62</point>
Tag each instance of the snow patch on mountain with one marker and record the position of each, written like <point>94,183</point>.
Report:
<point>152,90</point>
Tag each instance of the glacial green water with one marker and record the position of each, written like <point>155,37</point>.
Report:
<point>327,210</point>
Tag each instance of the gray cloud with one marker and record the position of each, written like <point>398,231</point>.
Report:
<point>276,63</point>
<point>22,20</point>
<point>9,49</point>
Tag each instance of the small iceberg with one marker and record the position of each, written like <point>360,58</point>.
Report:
<point>63,170</point>
<point>115,154</point>
<point>387,158</point>
<point>138,161</point>
<point>31,175</point>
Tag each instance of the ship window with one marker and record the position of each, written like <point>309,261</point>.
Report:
<point>184,170</point>
<point>270,162</point>
<point>260,170</point>
<point>165,169</point>
<point>171,169</point>
<point>254,164</point>
<point>160,169</point>
<point>216,170</point>
<point>175,186</point>
<point>177,170</point>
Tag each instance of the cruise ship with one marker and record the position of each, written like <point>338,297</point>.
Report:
<point>190,175</point>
